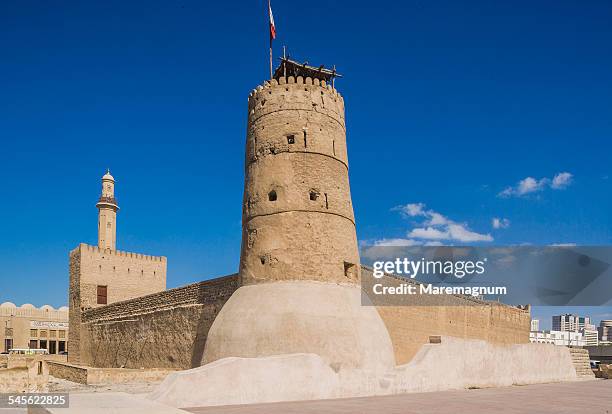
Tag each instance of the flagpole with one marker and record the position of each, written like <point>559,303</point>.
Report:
<point>269,30</point>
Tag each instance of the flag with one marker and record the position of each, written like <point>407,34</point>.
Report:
<point>272,26</point>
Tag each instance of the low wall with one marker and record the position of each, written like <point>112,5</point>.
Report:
<point>97,376</point>
<point>465,317</point>
<point>32,377</point>
<point>449,364</point>
<point>163,330</point>
<point>21,361</point>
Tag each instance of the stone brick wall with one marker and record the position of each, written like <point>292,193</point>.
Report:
<point>411,326</point>
<point>97,376</point>
<point>126,275</point>
<point>33,377</point>
<point>162,330</point>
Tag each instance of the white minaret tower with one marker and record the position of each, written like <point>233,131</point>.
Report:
<point>107,214</point>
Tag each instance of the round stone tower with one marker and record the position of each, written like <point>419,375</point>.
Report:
<point>298,221</point>
<point>299,263</point>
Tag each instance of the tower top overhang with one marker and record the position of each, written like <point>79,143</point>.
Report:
<point>289,67</point>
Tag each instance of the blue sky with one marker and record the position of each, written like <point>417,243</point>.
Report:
<point>448,105</point>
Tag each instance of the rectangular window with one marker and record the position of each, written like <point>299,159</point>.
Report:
<point>43,345</point>
<point>102,297</point>
<point>290,139</point>
<point>52,334</point>
<point>8,344</point>
<point>34,333</point>
<point>52,347</point>
<point>33,344</point>
<point>61,347</point>
<point>43,334</point>
<point>61,334</point>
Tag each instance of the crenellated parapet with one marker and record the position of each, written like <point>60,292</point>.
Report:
<point>108,253</point>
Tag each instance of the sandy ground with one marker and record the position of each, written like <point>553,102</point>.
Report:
<point>61,385</point>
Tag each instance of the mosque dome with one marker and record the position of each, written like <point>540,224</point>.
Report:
<point>8,305</point>
<point>108,176</point>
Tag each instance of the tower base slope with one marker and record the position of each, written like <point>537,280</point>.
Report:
<point>324,319</point>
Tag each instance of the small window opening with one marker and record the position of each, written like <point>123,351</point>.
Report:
<point>272,195</point>
<point>326,203</point>
<point>290,139</point>
<point>314,195</point>
<point>350,270</point>
<point>334,147</point>
<point>305,144</point>
<point>262,259</point>
<point>142,273</point>
<point>40,367</point>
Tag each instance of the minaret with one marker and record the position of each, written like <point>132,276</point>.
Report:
<point>107,214</point>
<point>298,221</point>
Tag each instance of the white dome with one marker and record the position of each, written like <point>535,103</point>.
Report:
<point>8,305</point>
<point>108,176</point>
<point>27,306</point>
<point>63,309</point>
<point>47,307</point>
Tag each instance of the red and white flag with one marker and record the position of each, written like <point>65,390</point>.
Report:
<point>272,27</point>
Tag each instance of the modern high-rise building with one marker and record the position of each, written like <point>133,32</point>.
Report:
<point>605,331</point>
<point>590,337</point>
<point>571,323</point>
<point>535,325</point>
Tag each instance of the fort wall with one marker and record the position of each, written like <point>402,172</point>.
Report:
<point>123,276</point>
<point>410,326</point>
<point>162,330</point>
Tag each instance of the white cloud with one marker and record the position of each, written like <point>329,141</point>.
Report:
<point>436,219</point>
<point>429,233</point>
<point>462,233</point>
<point>561,180</point>
<point>500,223</point>
<point>531,185</point>
<point>435,227</point>
<point>396,242</point>
<point>411,210</point>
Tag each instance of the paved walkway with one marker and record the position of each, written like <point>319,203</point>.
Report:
<point>592,397</point>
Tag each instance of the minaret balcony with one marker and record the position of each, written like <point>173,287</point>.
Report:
<point>107,201</point>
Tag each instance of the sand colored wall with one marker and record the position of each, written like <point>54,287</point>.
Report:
<point>295,146</point>
<point>452,364</point>
<point>465,317</point>
<point>126,275</point>
<point>88,375</point>
<point>33,376</point>
<point>162,330</point>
